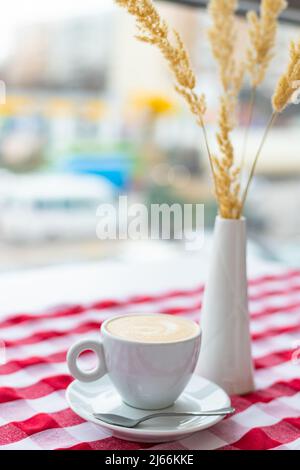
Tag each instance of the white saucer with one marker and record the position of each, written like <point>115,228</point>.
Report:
<point>101,397</point>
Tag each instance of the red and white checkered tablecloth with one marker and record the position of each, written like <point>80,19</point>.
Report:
<point>33,409</point>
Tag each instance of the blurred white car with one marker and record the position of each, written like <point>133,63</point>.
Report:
<point>51,206</point>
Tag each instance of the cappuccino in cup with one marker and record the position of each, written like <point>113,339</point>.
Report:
<point>152,328</point>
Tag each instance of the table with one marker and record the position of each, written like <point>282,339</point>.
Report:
<point>43,311</point>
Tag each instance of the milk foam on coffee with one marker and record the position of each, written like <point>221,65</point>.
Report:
<point>152,328</point>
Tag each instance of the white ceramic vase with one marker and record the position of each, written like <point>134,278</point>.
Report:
<point>225,356</point>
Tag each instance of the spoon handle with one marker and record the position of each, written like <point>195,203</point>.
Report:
<point>220,412</point>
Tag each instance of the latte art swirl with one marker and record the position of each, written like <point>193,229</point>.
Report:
<point>152,328</point>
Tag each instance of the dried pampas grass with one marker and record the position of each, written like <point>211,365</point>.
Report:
<point>262,32</point>
<point>262,36</point>
<point>223,36</point>
<point>289,82</point>
<point>288,86</point>
<point>154,30</point>
<point>226,173</point>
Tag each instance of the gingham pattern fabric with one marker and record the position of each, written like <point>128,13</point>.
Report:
<point>33,409</point>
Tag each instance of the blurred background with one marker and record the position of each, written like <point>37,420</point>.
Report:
<point>90,114</point>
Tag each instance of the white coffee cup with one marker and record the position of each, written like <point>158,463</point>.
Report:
<point>147,375</point>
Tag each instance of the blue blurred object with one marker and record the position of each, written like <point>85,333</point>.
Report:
<point>116,168</point>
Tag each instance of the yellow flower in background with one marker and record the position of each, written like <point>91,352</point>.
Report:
<point>155,104</point>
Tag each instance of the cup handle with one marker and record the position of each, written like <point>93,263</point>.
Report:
<point>86,345</point>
